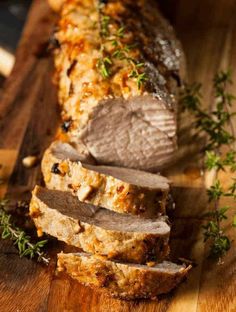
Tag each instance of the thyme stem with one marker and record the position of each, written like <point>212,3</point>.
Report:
<point>214,125</point>
<point>231,124</point>
<point>20,238</point>
<point>120,51</point>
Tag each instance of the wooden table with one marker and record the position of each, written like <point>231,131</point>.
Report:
<point>29,117</point>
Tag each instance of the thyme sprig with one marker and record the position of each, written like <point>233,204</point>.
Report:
<point>21,240</point>
<point>215,125</point>
<point>104,64</point>
<point>120,50</point>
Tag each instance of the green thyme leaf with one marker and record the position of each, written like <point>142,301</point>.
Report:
<point>213,161</point>
<point>230,160</point>
<point>104,66</point>
<point>141,78</point>
<point>20,239</point>
<point>121,32</point>
<point>215,191</point>
<point>234,221</point>
<point>232,188</point>
<point>140,65</point>
<point>105,25</point>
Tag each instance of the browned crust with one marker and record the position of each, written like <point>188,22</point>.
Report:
<point>120,280</point>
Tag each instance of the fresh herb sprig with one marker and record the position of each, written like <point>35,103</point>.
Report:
<point>215,125</point>
<point>21,240</point>
<point>120,50</point>
<point>104,64</point>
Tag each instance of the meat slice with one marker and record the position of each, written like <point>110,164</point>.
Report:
<point>98,230</point>
<point>119,189</point>
<point>122,121</point>
<point>135,133</point>
<point>122,280</point>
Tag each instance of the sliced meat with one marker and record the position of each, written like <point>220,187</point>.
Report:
<point>119,189</point>
<point>122,121</point>
<point>98,230</point>
<point>131,133</point>
<point>123,280</point>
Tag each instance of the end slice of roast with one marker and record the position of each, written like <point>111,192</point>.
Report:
<point>123,280</point>
<point>120,122</point>
<point>98,230</point>
<point>135,133</point>
<point>120,189</point>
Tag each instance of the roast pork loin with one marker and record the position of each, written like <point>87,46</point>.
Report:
<point>123,111</point>
<point>123,280</point>
<point>120,189</point>
<point>98,230</point>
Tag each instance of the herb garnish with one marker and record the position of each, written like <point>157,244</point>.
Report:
<point>21,240</point>
<point>120,50</point>
<point>104,66</point>
<point>214,124</point>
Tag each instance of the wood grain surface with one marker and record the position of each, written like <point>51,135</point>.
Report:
<point>28,119</point>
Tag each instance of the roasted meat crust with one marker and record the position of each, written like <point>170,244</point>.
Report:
<point>122,280</point>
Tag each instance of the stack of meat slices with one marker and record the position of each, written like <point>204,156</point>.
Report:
<point>115,215</point>
<point>119,112</point>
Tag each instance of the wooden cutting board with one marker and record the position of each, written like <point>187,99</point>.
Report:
<point>28,119</point>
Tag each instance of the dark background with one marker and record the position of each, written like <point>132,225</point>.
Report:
<point>12,18</point>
